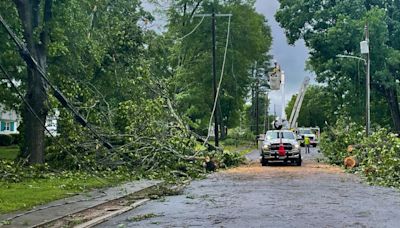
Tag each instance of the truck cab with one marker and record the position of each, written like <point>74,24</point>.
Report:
<point>311,133</point>
<point>280,145</point>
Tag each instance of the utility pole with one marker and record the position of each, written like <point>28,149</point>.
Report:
<point>213,16</point>
<point>368,85</point>
<point>266,117</point>
<point>214,71</point>
<point>257,88</point>
<point>364,46</point>
<point>257,108</point>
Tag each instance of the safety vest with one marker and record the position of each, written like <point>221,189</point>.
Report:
<point>307,141</point>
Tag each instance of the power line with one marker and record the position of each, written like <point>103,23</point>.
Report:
<point>32,63</point>
<point>220,80</point>
<point>31,110</point>
<point>195,28</point>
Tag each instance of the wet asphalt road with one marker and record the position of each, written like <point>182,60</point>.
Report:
<point>313,195</point>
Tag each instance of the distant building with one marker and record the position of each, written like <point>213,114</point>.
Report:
<point>9,121</point>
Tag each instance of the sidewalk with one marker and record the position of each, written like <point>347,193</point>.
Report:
<point>64,207</point>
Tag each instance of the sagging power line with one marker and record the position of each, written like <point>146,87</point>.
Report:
<point>216,88</point>
<point>32,63</point>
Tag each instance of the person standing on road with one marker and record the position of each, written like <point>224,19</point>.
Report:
<point>307,144</point>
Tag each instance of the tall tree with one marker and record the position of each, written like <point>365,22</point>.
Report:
<point>87,47</point>
<point>190,57</point>
<point>336,27</point>
<point>35,16</point>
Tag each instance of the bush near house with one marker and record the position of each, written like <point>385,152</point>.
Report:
<point>16,138</point>
<point>6,140</point>
<point>378,156</point>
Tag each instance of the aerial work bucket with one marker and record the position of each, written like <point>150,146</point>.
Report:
<point>275,78</point>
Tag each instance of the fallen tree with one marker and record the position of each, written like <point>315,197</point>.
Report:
<point>377,157</point>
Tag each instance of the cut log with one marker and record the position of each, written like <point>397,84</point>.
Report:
<point>350,148</point>
<point>350,162</point>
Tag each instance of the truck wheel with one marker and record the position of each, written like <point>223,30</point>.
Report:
<point>298,161</point>
<point>264,162</point>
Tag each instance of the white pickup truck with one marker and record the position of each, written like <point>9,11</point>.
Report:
<point>280,145</point>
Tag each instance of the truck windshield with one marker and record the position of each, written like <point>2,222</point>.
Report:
<point>278,135</point>
<point>305,131</point>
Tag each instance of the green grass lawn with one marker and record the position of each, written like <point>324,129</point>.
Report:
<point>30,193</point>
<point>9,152</point>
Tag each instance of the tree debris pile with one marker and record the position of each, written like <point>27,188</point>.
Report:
<point>148,141</point>
<point>377,157</point>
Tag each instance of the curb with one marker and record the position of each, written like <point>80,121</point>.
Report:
<point>104,218</point>
<point>56,210</point>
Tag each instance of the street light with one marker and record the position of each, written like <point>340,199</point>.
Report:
<point>352,57</point>
<point>364,45</point>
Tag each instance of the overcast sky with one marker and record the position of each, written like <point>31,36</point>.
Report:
<point>291,58</point>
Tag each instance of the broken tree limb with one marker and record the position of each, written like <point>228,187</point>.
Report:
<point>183,126</point>
<point>161,92</point>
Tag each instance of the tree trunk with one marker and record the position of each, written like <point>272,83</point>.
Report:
<point>391,96</point>
<point>350,162</point>
<point>36,95</point>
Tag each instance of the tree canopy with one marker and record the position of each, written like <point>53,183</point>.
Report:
<point>132,84</point>
<point>330,28</point>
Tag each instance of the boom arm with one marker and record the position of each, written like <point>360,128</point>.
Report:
<point>297,105</point>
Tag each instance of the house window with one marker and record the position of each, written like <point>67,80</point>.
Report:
<point>2,126</point>
<point>6,126</point>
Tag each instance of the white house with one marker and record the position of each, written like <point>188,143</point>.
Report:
<point>9,121</point>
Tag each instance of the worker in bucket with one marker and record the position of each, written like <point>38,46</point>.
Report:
<point>307,144</point>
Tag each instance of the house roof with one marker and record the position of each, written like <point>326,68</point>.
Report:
<point>8,114</point>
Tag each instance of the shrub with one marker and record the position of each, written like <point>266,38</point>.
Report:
<point>6,140</point>
<point>231,142</point>
<point>16,138</point>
